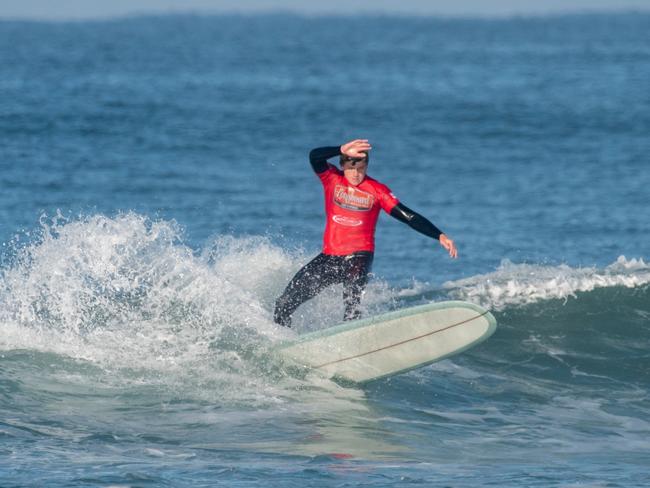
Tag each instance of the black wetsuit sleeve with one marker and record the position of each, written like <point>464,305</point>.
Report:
<point>318,157</point>
<point>415,221</point>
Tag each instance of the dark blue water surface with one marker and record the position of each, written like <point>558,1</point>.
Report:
<point>157,197</point>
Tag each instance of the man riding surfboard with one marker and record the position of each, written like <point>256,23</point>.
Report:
<point>352,204</point>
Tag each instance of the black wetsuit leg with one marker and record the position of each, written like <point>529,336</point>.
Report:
<point>323,271</point>
<point>316,275</point>
<point>357,268</point>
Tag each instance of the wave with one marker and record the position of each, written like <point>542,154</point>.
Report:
<point>125,298</point>
<point>558,324</point>
<point>559,328</point>
<point>595,337</point>
<point>520,284</point>
<point>127,295</point>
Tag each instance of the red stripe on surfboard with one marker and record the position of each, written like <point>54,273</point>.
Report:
<point>402,342</point>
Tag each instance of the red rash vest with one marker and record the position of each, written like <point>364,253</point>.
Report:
<point>352,212</point>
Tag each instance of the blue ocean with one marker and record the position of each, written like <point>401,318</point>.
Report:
<point>157,197</point>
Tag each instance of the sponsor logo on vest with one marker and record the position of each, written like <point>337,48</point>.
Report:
<point>353,199</point>
<point>348,221</point>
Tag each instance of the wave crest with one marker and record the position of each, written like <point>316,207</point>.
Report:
<point>521,284</point>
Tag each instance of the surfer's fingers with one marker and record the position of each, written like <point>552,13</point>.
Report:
<point>354,148</point>
<point>449,245</point>
<point>355,142</point>
<point>361,145</point>
<point>453,251</point>
<point>356,151</point>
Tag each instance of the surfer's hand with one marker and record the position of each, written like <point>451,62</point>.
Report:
<point>449,245</point>
<point>356,148</point>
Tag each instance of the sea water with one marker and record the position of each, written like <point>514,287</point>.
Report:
<point>157,197</point>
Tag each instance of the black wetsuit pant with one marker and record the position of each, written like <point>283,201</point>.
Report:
<point>323,271</point>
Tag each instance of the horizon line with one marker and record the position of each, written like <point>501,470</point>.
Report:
<point>171,12</point>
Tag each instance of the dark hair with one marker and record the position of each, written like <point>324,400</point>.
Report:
<point>345,159</point>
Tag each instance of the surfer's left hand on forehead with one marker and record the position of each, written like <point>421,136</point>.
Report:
<point>356,148</point>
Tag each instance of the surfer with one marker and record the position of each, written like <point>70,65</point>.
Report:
<point>352,203</point>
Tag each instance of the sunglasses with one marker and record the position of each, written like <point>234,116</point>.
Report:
<point>354,160</point>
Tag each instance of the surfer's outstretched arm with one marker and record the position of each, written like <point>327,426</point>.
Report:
<point>424,226</point>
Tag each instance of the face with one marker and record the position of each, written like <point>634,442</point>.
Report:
<point>355,170</point>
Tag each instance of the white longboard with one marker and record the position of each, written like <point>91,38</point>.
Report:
<point>392,343</point>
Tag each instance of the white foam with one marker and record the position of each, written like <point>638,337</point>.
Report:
<point>520,284</point>
<point>126,294</point>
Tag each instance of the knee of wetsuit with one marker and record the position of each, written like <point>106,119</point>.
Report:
<point>280,315</point>
<point>352,315</point>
